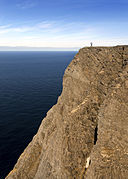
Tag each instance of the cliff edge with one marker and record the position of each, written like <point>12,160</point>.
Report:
<point>85,134</point>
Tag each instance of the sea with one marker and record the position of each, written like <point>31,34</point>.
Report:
<point>30,83</point>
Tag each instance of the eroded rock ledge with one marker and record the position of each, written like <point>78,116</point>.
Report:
<point>85,134</point>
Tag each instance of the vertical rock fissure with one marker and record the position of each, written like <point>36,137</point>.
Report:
<point>95,135</point>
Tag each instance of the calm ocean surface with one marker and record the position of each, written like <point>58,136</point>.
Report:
<point>30,83</point>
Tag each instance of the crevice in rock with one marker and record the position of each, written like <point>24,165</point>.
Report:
<point>125,62</point>
<point>95,135</point>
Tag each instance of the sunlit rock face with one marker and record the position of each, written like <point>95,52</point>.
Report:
<point>85,134</point>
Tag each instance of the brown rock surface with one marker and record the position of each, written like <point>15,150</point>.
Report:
<point>109,157</point>
<point>94,98</point>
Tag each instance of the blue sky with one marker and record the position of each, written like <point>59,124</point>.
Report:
<point>63,23</point>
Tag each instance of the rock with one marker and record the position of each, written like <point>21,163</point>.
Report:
<point>109,157</point>
<point>85,134</point>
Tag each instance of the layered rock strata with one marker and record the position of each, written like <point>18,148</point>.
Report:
<point>85,134</point>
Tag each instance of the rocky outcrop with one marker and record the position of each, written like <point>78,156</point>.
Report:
<point>85,134</point>
<point>110,154</point>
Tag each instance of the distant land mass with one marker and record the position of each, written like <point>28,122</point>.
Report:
<point>24,48</point>
<point>85,135</point>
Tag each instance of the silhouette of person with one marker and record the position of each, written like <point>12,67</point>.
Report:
<point>91,44</point>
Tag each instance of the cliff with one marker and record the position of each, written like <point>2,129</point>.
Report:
<point>85,134</point>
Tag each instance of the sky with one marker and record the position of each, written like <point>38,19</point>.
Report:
<point>63,24</point>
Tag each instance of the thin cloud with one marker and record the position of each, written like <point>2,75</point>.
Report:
<point>44,25</point>
<point>5,26</point>
<point>14,29</point>
<point>20,29</point>
<point>26,4</point>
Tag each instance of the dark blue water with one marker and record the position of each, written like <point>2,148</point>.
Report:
<point>30,83</point>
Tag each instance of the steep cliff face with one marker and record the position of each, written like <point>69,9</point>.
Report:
<point>85,134</point>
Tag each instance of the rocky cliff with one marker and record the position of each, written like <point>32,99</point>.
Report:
<point>85,134</point>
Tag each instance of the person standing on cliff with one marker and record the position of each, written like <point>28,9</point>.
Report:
<point>91,44</point>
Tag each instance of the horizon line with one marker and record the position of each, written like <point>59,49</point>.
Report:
<point>26,48</point>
